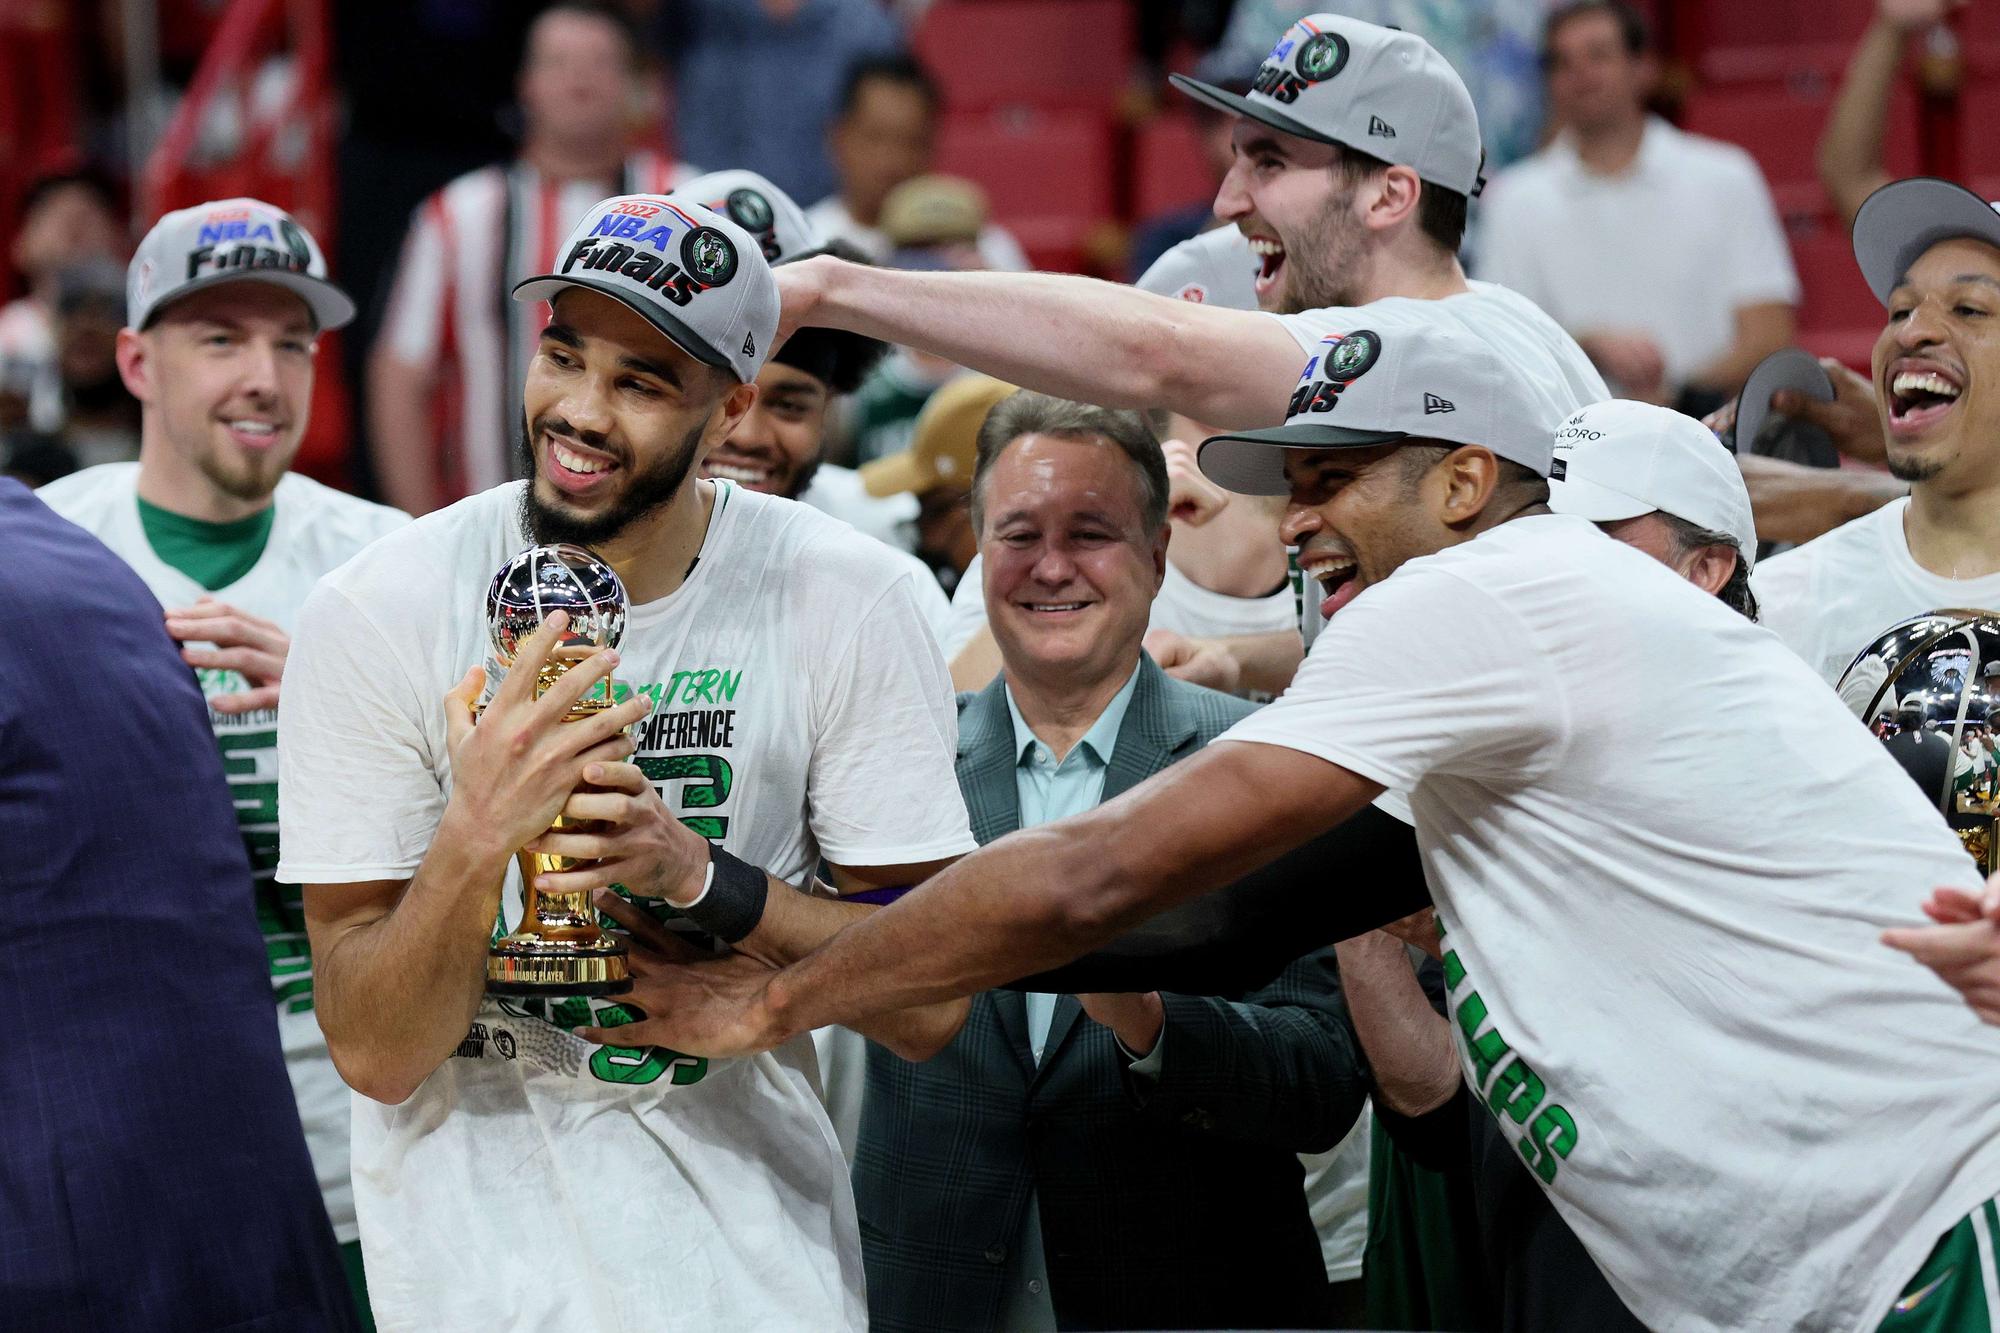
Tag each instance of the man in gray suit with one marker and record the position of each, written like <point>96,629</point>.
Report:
<point>1108,1160</point>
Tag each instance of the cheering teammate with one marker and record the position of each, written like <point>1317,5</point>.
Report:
<point>224,302</point>
<point>1661,851</point>
<point>508,1172</point>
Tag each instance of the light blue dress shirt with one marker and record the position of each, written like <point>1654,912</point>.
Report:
<point>1048,788</point>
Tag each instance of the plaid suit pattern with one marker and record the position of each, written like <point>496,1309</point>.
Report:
<point>1179,1206</point>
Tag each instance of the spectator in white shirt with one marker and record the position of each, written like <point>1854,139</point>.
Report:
<point>1660,251</point>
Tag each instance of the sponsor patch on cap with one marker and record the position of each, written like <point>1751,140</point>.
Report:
<point>1350,358</point>
<point>1316,59</point>
<point>1346,359</point>
<point>708,254</point>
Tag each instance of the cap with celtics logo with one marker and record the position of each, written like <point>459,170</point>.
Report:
<point>1405,377</point>
<point>230,240</point>
<point>757,206</point>
<point>693,274</point>
<point>1376,90</point>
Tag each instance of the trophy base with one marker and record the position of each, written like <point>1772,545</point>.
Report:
<point>532,965</point>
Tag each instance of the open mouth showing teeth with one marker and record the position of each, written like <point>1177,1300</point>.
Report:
<point>1055,606</point>
<point>1336,578</point>
<point>1270,258</point>
<point>262,430</point>
<point>572,461</point>
<point>743,474</point>
<point>1913,391</point>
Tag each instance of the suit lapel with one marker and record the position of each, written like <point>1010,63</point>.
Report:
<point>986,761</point>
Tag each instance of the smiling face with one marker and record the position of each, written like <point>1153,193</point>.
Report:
<point>1071,569</point>
<point>225,375</point>
<point>1356,515</point>
<point>1937,367</point>
<point>1294,200</point>
<point>775,449</point>
<point>616,418</point>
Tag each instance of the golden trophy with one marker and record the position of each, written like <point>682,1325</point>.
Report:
<point>558,948</point>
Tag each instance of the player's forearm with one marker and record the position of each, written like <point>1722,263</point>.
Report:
<point>1265,662</point>
<point>401,442</point>
<point>396,996</point>
<point>1850,150</point>
<point>1408,1046</point>
<point>1236,553</point>
<point>1795,503</point>
<point>1073,337</point>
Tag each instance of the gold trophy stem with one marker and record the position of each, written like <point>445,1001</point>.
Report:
<point>558,949</point>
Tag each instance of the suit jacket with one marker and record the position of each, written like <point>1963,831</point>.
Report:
<point>153,1175</point>
<point>1163,1205</point>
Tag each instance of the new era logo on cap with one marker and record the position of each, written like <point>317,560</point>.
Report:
<point>1434,405</point>
<point>696,276</point>
<point>1380,128</point>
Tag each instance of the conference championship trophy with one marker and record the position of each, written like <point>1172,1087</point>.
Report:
<point>558,948</point>
<point>1929,688</point>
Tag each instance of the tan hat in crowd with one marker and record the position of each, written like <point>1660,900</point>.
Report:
<point>933,210</point>
<point>944,444</point>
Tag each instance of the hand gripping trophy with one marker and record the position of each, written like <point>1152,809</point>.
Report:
<point>558,948</point>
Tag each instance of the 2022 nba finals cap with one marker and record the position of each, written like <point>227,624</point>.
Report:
<point>757,206</point>
<point>1621,459</point>
<point>1896,224</point>
<point>693,274</point>
<point>1379,91</point>
<point>230,240</point>
<point>1401,377</point>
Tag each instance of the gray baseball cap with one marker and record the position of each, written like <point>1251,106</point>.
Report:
<point>1897,223</point>
<point>690,272</point>
<point>1405,375</point>
<point>1377,90</point>
<point>1787,368</point>
<point>230,240</point>
<point>757,206</point>
<point>1214,268</point>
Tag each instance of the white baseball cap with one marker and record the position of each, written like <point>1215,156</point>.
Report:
<point>691,273</point>
<point>757,206</point>
<point>1407,375</point>
<point>1379,91</point>
<point>230,240</point>
<point>1620,459</point>
<point>1214,268</point>
<point>1896,224</point>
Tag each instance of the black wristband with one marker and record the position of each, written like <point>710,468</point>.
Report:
<point>733,903</point>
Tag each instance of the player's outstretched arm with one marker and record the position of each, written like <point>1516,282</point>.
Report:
<point>1081,338</point>
<point>1037,898</point>
<point>399,968</point>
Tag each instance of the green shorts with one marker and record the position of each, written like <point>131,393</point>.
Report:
<point>1958,1288</point>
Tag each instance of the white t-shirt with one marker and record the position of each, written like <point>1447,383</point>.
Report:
<point>839,491</point>
<point>1548,358</point>
<point>829,217</point>
<point>1672,246</point>
<point>314,529</point>
<point>1835,595</point>
<point>535,1181</point>
<point>1183,606</point>
<point>1664,855</point>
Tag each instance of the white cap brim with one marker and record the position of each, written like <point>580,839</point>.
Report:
<point>1599,504</point>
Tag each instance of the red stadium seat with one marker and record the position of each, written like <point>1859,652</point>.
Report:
<point>1780,127</point>
<point>1051,175</point>
<point>1773,39</point>
<point>1839,316</point>
<point>1170,165</point>
<point>1978,149</point>
<point>1051,53</point>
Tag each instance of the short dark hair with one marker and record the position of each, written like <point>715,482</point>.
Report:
<point>1632,29</point>
<point>1024,412</point>
<point>896,67</point>
<point>1416,457</point>
<point>1440,212</point>
<point>97,183</point>
<point>1690,537</point>
<point>603,12</point>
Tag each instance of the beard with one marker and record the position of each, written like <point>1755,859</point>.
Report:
<point>1914,470</point>
<point>1328,265</point>
<point>648,491</point>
